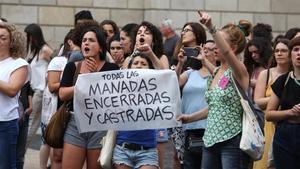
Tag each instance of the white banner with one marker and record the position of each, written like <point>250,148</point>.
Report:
<point>131,99</point>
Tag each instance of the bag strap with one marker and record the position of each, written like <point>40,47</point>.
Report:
<point>76,72</point>
<point>239,89</point>
<point>268,76</point>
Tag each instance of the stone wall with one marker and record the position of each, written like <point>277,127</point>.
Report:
<point>57,16</point>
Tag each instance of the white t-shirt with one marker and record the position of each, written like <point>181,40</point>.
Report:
<point>57,64</point>
<point>9,105</point>
<point>39,70</point>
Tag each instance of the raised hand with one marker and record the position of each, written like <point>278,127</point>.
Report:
<point>205,19</point>
<point>181,57</point>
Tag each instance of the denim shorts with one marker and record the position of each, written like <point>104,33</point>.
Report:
<point>162,135</point>
<point>89,140</point>
<point>135,159</point>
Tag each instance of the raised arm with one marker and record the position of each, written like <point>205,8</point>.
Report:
<point>182,77</point>
<point>228,50</point>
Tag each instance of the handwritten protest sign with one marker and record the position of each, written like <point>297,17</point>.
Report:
<point>130,99</point>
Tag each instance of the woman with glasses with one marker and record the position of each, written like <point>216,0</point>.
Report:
<point>285,94</point>
<point>193,83</point>
<point>280,65</point>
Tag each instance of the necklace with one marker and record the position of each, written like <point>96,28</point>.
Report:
<point>295,79</point>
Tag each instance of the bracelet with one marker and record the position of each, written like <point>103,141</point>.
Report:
<point>213,30</point>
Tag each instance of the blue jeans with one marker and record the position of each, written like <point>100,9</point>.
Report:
<point>22,140</point>
<point>8,141</point>
<point>225,155</point>
<point>193,149</point>
<point>286,146</point>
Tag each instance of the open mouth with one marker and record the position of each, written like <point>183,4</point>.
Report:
<point>142,40</point>
<point>86,49</point>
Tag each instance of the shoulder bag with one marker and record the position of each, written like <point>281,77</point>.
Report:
<point>55,130</point>
<point>252,140</point>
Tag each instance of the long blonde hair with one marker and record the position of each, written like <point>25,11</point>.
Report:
<point>17,40</point>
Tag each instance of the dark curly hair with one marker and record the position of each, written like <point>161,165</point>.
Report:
<point>109,22</point>
<point>263,30</point>
<point>157,37</point>
<point>265,50</point>
<point>290,34</point>
<point>100,38</point>
<point>83,15</point>
<point>80,28</point>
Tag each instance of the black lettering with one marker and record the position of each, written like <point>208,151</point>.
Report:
<point>151,84</point>
<point>94,90</point>
<point>96,103</point>
<point>143,86</point>
<point>89,117</point>
<point>131,99</point>
<point>165,97</point>
<point>121,75</point>
<point>149,116</point>
<point>149,98</point>
<point>124,87</point>
<point>123,99</point>
<point>121,113</point>
<point>167,112</point>
<point>113,117</point>
<point>108,76</point>
<point>140,114</point>
<point>114,101</point>
<point>115,89</point>
<point>156,98</point>
<point>104,77</point>
<point>133,85</point>
<point>141,99</point>
<point>158,114</point>
<point>107,118</point>
<point>86,103</point>
<point>105,102</point>
<point>99,119</point>
<point>106,89</point>
<point>129,113</point>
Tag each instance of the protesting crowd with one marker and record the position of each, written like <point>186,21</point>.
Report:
<point>215,79</point>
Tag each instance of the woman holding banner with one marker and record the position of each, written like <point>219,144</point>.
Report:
<point>141,144</point>
<point>81,147</point>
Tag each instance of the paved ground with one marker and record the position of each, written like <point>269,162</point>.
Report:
<point>32,154</point>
